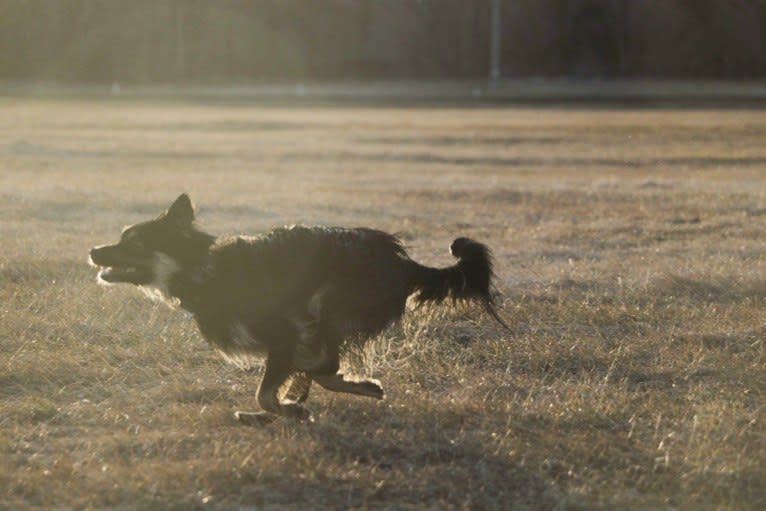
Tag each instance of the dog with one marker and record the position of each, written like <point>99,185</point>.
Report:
<point>296,297</point>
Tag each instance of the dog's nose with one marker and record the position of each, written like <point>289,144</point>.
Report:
<point>93,254</point>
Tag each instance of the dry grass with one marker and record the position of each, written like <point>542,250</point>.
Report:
<point>630,252</point>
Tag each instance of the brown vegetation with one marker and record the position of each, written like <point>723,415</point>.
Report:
<point>630,251</point>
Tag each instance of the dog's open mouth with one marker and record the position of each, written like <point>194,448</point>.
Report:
<point>113,274</point>
<point>117,266</point>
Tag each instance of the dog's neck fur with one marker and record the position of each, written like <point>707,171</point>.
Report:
<point>178,282</point>
<point>165,269</point>
<point>177,285</point>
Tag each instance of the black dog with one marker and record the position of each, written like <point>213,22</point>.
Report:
<point>295,296</point>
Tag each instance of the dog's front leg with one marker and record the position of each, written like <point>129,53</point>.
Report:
<point>278,369</point>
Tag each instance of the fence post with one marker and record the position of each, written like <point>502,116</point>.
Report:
<point>494,44</point>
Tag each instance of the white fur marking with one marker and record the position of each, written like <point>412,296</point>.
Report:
<point>243,349</point>
<point>307,328</point>
<point>314,306</point>
<point>242,340</point>
<point>164,267</point>
<point>308,354</point>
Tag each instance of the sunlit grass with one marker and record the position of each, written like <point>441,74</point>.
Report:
<point>631,264</point>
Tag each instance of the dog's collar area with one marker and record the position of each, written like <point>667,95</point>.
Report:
<point>185,285</point>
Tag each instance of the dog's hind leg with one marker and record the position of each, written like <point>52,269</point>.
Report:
<point>298,390</point>
<point>338,383</point>
<point>327,374</point>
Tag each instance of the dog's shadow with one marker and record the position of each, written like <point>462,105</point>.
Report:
<point>434,454</point>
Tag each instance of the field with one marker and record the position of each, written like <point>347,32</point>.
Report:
<point>631,260</point>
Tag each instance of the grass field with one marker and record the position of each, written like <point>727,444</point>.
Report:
<point>630,257</point>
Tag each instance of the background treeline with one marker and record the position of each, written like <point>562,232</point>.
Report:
<point>267,40</point>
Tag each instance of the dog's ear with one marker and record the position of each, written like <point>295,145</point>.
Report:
<point>181,211</point>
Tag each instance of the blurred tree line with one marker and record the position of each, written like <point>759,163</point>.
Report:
<point>268,40</point>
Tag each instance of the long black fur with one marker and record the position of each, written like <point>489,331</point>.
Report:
<point>295,296</point>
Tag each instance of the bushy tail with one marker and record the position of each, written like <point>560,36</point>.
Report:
<point>470,279</point>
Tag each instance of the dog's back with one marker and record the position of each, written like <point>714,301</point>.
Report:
<point>355,281</point>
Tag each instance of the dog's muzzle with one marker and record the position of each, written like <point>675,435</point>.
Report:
<point>119,265</point>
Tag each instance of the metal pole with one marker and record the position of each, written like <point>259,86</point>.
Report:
<point>494,42</point>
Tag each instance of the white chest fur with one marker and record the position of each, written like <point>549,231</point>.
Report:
<point>163,268</point>
<point>241,348</point>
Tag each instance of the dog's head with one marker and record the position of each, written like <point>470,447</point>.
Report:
<point>148,251</point>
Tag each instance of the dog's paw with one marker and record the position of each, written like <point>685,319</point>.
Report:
<point>297,412</point>
<point>255,418</point>
<point>373,389</point>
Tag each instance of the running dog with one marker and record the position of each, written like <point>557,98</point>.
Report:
<point>295,297</point>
